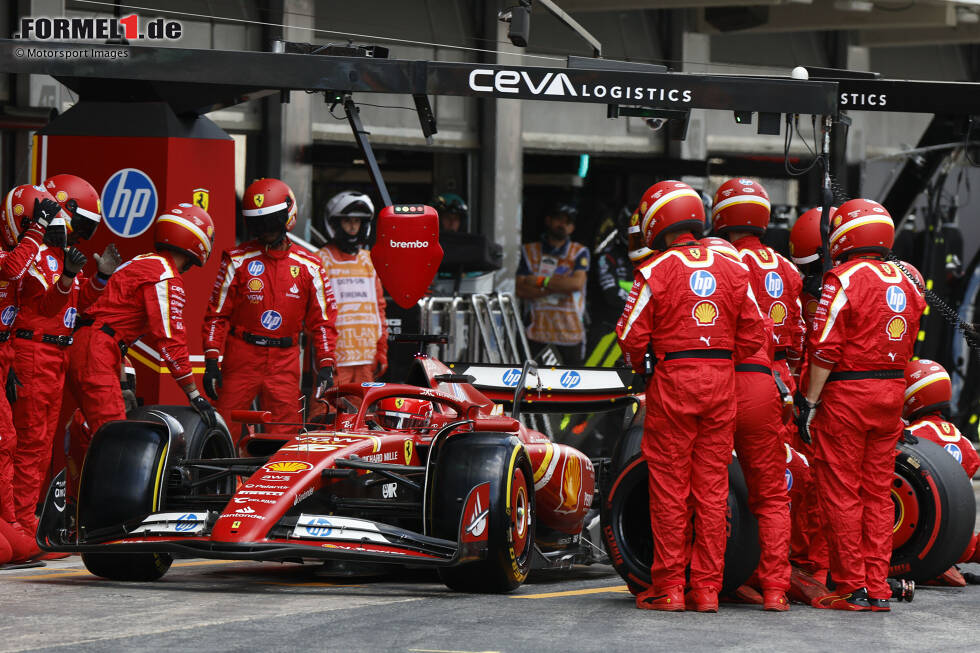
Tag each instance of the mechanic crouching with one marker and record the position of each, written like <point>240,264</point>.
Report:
<point>144,299</point>
<point>266,289</point>
<point>692,309</point>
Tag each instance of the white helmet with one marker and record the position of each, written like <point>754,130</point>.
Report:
<point>348,203</point>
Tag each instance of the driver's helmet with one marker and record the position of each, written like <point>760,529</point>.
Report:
<point>404,413</point>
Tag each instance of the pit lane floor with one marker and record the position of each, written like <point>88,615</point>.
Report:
<point>240,606</point>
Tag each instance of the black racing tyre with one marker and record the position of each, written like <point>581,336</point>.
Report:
<point>121,482</point>
<point>625,521</point>
<point>627,446</point>
<point>197,442</point>
<point>465,461</point>
<point>935,510</point>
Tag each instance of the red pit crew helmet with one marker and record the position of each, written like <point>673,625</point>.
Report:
<point>18,212</point>
<point>188,229</point>
<point>927,388</point>
<point>404,413</point>
<point>861,226</point>
<point>740,205</point>
<point>804,237</point>
<point>268,205</point>
<point>669,207</point>
<point>79,200</point>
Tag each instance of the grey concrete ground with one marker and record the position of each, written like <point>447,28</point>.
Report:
<point>237,606</point>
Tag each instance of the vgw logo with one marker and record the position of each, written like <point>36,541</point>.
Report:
<point>129,202</point>
<point>511,377</point>
<point>703,283</point>
<point>774,285</point>
<point>570,379</point>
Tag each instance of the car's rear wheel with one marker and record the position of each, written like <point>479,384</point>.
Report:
<point>625,518</point>
<point>464,462</point>
<point>935,510</point>
<point>121,482</point>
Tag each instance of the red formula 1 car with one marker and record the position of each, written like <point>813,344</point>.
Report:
<point>472,492</point>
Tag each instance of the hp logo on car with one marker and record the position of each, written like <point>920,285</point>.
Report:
<point>570,379</point>
<point>954,451</point>
<point>186,523</point>
<point>271,320</point>
<point>319,527</point>
<point>129,202</point>
<point>774,285</point>
<point>895,297</point>
<point>703,283</point>
<point>510,378</point>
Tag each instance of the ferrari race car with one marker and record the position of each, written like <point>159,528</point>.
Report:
<point>470,491</point>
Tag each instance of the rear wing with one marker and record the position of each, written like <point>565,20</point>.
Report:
<point>554,389</point>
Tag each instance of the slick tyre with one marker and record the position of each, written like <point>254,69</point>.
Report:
<point>121,482</point>
<point>464,462</point>
<point>197,442</point>
<point>625,520</point>
<point>935,511</point>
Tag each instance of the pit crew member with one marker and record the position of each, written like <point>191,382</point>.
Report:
<point>265,291</point>
<point>144,299</point>
<point>362,334</point>
<point>692,309</point>
<point>50,296</point>
<point>28,217</point>
<point>860,343</point>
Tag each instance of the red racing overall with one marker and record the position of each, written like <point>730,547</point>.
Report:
<point>261,299</point>
<point>42,334</point>
<point>864,331</point>
<point>693,308</point>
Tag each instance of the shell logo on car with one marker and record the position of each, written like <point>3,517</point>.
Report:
<point>287,466</point>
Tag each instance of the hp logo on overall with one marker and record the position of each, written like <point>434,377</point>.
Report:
<point>703,283</point>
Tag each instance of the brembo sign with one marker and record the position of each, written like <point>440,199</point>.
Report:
<point>522,83</point>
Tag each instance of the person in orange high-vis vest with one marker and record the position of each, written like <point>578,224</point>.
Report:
<point>362,336</point>
<point>551,277</point>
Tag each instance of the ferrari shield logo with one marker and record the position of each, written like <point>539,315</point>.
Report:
<point>696,253</point>
<point>408,451</point>
<point>258,198</point>
<point>294,270</point>
<point>201,198</point>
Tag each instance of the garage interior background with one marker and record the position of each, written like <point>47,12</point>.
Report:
<point>510,158</point>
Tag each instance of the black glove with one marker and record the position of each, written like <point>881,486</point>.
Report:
<point>908,438</point>
<point>324,379</point>
<point>212,378</point>
<point>12,384</point>
<point>804,416</point>
<point>45,211</point>
<point>47,214</point>
<point>74,262</point>
<point>204,409</point>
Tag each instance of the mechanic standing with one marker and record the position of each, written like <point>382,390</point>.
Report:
<point>862,338</point>
<point>266,289</point>
<point>362,334</point>
<point>551,277</point>
<point>145,299</point>
<point>740,213</point>
<point>692,309</point>
<point>51,294</point>
<point>29,217</point>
